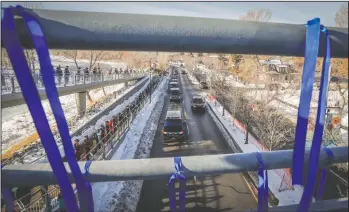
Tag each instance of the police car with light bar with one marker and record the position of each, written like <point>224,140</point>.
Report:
<point>173,126</point>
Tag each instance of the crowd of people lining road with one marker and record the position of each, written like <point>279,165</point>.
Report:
<point>110,129</point>
<point>85,74</point>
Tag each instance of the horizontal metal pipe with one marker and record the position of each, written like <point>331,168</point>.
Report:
<point>141,169</point>
<point>13,99</point>
<point>135,32</point>
<point>334,205</point>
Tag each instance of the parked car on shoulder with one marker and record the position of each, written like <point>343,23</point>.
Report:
<point>203,85</point>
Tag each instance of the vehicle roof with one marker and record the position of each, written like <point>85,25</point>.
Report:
<point>174,89</point>
<point>197,97</point>
<point>173,83</point>
<point>174,114</point>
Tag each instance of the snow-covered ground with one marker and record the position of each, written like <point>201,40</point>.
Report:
<point>18,124</point>
<point>237,132</point>
<point>124,195</point>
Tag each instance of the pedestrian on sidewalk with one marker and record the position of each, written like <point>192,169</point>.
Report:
<point>87,147</point>
<point>77,148</point>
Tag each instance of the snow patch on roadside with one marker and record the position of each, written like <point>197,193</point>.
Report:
<point>124,195</point>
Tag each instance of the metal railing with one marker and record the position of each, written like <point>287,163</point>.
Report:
<point>155,168</point>
<point>99,151</point>
<point>9,83</point>
<point>158,33</point>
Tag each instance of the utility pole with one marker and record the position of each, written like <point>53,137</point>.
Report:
<point>150,86</point>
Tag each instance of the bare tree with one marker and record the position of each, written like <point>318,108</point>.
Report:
<point>342,16</point>
<point>261,14</point>
<point>244,112</point>
<point>95,57</point>
<point>72,55</point>
<point>272,128</point>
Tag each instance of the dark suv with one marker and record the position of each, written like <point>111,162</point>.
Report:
<point>174,126</point>
<point>197,103</point>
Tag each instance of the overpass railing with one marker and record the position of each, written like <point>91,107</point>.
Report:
<point>100,31</point>
<point>155,168</point>
<point>9,83</point>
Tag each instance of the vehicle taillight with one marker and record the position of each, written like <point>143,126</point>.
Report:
<point>181,132</point>
<point>163,132</point>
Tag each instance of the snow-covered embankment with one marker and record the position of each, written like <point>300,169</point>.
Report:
<point>124,195</point>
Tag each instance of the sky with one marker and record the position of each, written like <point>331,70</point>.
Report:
<point>282,12</point>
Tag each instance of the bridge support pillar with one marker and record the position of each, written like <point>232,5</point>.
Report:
<point>81,102</point>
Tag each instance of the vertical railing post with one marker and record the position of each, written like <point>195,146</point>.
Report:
<point>47,200</point>
<point>223,106</point>
<point>103,150</point>
<point>12,84</point>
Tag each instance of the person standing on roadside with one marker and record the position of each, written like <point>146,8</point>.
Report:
<point>77,148</point>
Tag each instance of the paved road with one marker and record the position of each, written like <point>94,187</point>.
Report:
<point>227,192</point>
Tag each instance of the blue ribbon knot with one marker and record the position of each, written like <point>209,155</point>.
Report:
<point>7,195</point>
<point>177,175</point>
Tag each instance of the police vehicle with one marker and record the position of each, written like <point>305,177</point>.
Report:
<point>174,126</point>
<point>175,95</point>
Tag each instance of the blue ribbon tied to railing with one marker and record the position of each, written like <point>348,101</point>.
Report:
<point>30,94</point>
<point>310,56</point>
<point>41,47</point>
<point>171,185</point>
<point>319,129</point>
<point>263,187</point>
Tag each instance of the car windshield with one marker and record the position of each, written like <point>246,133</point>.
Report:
<point>173,85</point>
<point>204,83</point>
<point>173,125</point>
<point>175,92</point>
<point>198,100</point>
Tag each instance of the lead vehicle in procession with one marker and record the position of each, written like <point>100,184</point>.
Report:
<point>174,126</point>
